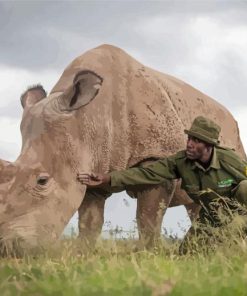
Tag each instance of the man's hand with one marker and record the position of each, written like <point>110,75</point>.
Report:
<point>93,179</point>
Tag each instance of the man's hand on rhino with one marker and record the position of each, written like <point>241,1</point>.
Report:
<point>93,179</point>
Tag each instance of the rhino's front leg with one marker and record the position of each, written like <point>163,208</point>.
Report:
<point>91,215</point>
<point>152,202</point>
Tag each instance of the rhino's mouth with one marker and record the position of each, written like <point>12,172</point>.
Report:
<point>19,247</point>
<point>11,248</point>
<point>17,239</point>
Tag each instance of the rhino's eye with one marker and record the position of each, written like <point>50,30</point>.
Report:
<point>43,179</point>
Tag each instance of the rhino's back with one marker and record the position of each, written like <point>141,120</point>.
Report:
<point>145,110</point>
<point>160,108</point>
<point>189,102</point>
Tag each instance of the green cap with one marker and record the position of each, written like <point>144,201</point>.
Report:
<point>204,129</point>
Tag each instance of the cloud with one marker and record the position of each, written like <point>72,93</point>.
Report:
<point>27,28</point>
<point>10,144</point>
<point>201,50</point>
<point>203,43</point>
<point>15,80</point>
<point>241,117</point>
<point>220,60</point>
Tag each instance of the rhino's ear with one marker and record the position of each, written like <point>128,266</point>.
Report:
<point>7,171</point>
<point>85,87</point>
<point>32,95</point>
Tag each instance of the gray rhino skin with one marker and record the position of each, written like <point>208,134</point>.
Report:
<point>107,112</point>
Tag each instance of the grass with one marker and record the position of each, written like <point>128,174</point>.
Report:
<point>113,268</point>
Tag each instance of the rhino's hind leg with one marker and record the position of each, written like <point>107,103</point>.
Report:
<point>152,202</point>
<point>193,210</point>
<point>91,215</point>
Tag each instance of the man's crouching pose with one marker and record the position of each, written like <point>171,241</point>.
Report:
<point>213,176</point>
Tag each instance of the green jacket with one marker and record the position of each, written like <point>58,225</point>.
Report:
<point>226,170</point>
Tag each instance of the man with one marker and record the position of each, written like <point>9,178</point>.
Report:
<point>213,176</point>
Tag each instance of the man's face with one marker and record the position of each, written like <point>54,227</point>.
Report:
<point>195,148</point>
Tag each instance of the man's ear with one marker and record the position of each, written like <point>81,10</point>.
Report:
<point>32,95</point>
<point>85,87</point>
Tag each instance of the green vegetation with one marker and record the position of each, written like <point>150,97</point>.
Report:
<point>113,268</point>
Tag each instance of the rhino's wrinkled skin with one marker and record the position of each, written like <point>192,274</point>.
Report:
<point>106,112</point>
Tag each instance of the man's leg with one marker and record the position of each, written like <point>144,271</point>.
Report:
<point>189,245</point>
<point>215,214</point>
<point>200,239</point>
<point>91,215</point>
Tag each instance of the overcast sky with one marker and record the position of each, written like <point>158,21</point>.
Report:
<point>201,42</point>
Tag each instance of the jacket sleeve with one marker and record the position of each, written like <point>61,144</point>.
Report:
<point>154,173</point>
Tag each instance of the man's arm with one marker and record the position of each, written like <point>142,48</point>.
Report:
<point>154,173</point>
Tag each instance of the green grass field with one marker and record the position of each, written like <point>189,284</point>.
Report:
<point>113,268</point>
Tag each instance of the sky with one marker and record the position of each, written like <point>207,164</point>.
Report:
<point>203,43</point>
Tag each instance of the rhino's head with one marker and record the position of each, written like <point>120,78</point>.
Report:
<point>39,191</point>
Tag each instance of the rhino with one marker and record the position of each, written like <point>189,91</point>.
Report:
<point>106,112</point>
